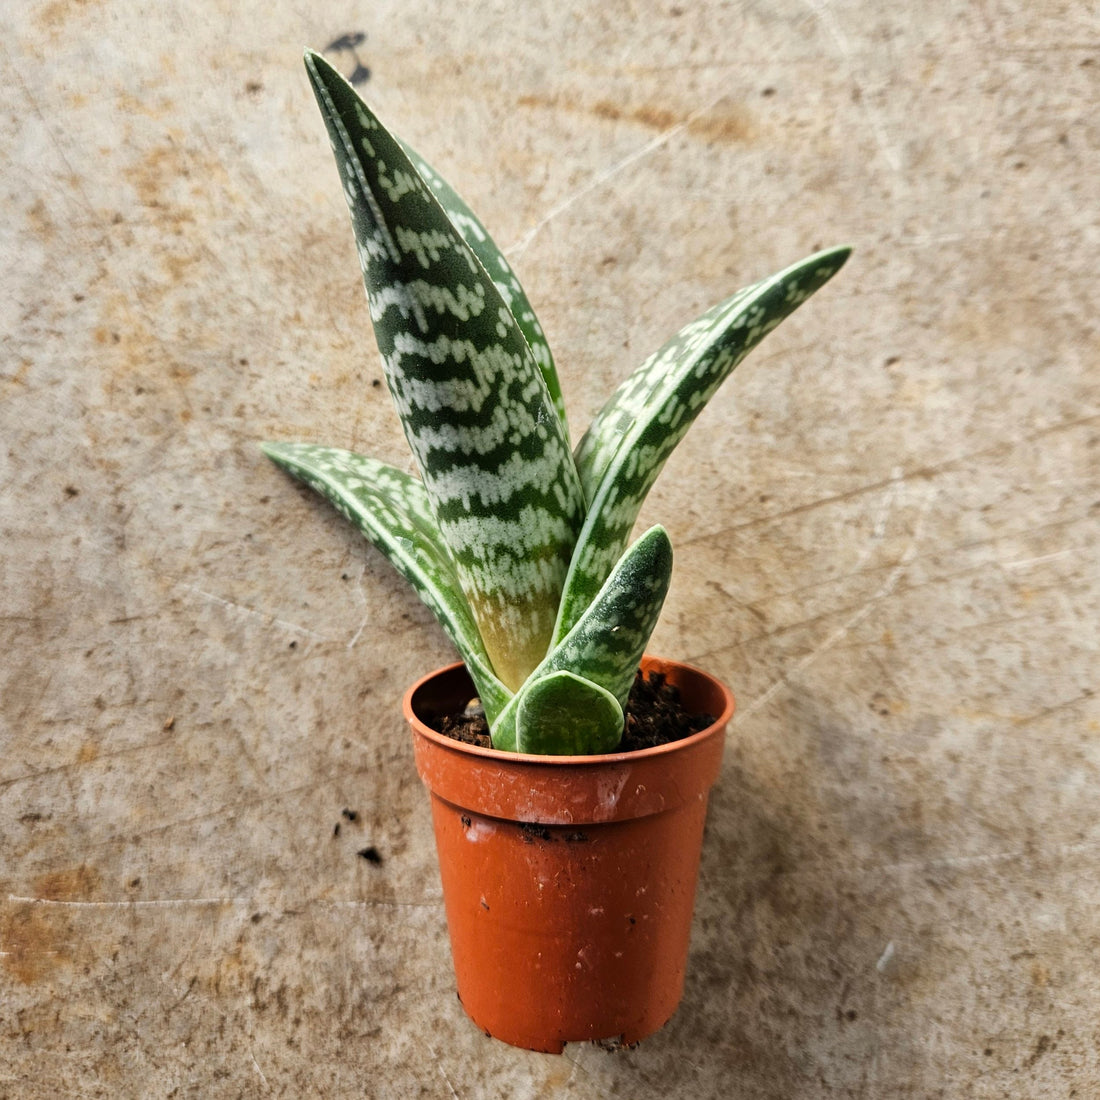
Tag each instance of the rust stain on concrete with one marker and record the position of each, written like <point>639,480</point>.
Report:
<point>725,123</point>
<point>71,884</point>
<point>56,15</point>
<point>35,939</point>
<point>32,942</point>
<point>88,752</point>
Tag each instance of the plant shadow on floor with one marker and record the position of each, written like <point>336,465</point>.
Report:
<point>792,988</point>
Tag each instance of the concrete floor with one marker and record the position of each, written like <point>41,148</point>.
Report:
<point>886,529</point>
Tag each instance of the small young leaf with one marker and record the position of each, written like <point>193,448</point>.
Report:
<point>393,511</point>
<point>606,644</point>
<point>565,715</point>
<point>474,405</point>
<point>628,443</point>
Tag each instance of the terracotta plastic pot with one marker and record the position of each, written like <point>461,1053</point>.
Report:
<point>568,881</point>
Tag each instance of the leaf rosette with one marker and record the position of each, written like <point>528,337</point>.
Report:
<point>520,547</point>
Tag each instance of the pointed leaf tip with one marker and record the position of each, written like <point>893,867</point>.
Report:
<point>630,439</point>
<point>476,410</point>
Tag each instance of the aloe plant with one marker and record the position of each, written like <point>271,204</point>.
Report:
<point>519,545</point>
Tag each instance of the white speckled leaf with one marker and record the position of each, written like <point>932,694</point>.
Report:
<point>393,511</point>
<point>628,443</point>
<point>500,271</point>
<point>605,645</point>
<point>476,411</point>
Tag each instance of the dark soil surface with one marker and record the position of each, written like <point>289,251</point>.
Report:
<point>654,717</point>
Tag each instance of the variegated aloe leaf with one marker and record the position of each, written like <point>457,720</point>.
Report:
<point>499,270</point>
<point>393,511</point>
<point>604,647</point>
<point>474,405</point>
<point>628,443</point>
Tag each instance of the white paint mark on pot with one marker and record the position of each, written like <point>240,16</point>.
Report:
<point>608,794</point>
<point>479,831</point>
<point>536,810</point>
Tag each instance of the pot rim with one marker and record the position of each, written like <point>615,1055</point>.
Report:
<point>593,760</point>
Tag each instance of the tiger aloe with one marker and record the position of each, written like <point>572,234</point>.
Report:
<point>518,545</point>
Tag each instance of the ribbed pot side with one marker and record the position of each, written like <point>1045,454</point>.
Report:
<point>569,882</point>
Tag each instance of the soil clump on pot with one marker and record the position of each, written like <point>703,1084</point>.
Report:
<point>654,716</point>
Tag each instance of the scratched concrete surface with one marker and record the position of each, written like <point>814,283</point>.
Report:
<point>886,529</point>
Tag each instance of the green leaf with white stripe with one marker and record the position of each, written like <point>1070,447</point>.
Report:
<point>393,511</point>
<point>500,271</point>
<point>628,443</point>
<point>604,646</point>
<point>474,405</point>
